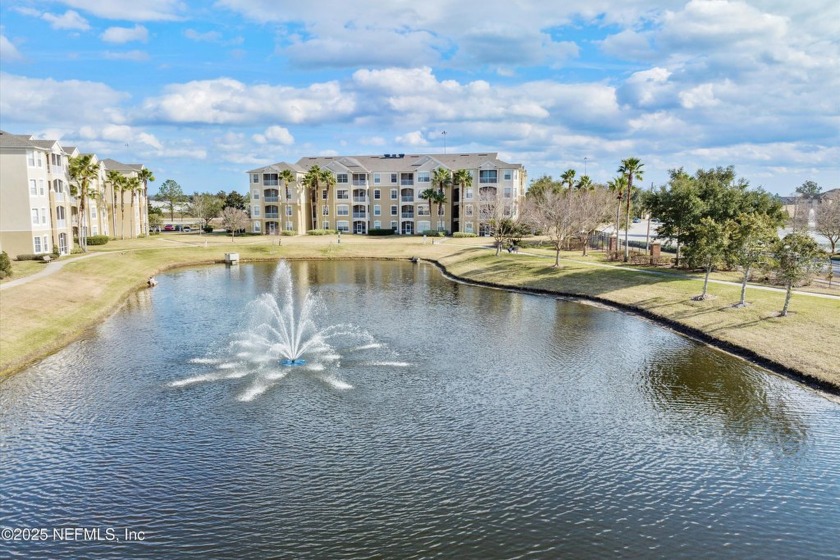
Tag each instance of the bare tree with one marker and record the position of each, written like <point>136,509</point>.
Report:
<point>496,212</point>
<point>590,209</point>
<point>234,219</point>
<point>552,214</point>
<point>205,207</point>
<point>828,218</point>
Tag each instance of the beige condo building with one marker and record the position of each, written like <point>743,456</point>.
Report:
<point>383,192</point>
<point>39,214</point>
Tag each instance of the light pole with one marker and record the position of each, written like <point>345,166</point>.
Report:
<point>585,158</point>
<point>444,141</point>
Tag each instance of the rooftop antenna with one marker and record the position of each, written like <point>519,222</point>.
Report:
<point>444,141</point>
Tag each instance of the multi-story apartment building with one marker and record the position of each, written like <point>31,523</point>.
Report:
<point>38,213</point>
<point>35,202</point>
<point>128,212</point>
<point>384,192</point>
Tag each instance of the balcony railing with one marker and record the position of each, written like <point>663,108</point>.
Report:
<point>407,198</point>
<point>360,183</point>
<point>61,224</point>
<point>360,199</point>
<point>59,197</point>
<point>360,215</point>
<point>271,198</point>
<point>407,182</point>
<point>408,215</point>
<point>274,215</point>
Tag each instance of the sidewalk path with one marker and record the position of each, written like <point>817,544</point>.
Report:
<point>49,268</point>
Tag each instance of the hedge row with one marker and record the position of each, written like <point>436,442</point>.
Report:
<point>321,232</point>
<point>464,234</point>
<point>97,240</point>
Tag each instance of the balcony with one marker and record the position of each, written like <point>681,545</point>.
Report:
<point>409,215</point>
<point>407,182</point>
<point>360,182</point>
<point>271,198</point>
<point>269,215</point>
<point>360,215</point>
<point>59,197</point>
<point>61,224</point>
<point>362,199</point>
<point>409,198</point>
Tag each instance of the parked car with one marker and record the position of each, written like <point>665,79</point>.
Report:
<point>187,229</point>
<point>168,227</point>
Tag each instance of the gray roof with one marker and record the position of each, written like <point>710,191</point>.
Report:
<point>278,167</point>
<point>115,165</point>
<point>8,140</point>
<point>394,162</point>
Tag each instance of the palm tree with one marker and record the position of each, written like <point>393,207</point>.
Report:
<point>114,178</point>
<point>584,183</point>
<point>568,178</point>
<point>145,175</point>
<point>135,185</point>
<point>442,179</point>
<point>314,179</point>
<point>617,186</point>
<point>429,195</point>
<point>289,178</point>
<point>82,171</point>
<point>630,168</point>
<point>123,187</point>
<point>439,198</point>
<point>463,179</point>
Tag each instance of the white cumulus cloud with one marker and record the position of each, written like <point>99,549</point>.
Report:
<point>275,134</point>
<point>69,20</point>
<point>125,34</point>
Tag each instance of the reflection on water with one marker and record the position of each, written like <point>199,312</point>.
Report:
<point>486,424</point>
<point>734,402</point>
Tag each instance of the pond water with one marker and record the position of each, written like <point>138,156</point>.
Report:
<point>450,421</point>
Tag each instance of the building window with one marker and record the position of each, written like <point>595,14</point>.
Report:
<point>423,210</point>
<point>377,194</point>
<point>487,176</point>
<point>41,189</point>
<point>508,192</point>
<point>255,177</point>
<point>289,226</point>
<point>423,177</point>
<point>377,224</point>
<point>468,193</point>
<point>33,187</point>
<point>256,195</point>
<point>393,226</point>
<point>43,215</point>
<point>393,177</point>
<point>92,212</point>
<point>407,179</point>
<point>342,194</point>
<point>288,210</point>
<point>393,194</point>
<point>30,158</point>
<point>255,211</point>
<point>343,225</point>
<point>341,178</point>
<point>424,226</point>
<point>359,179</point>
<point>468,210</point>
<point>39,159</point>
<point>342,210</point>
<point>256,227</point>
<point>95,230</point>
<point>324,194</point>
<point>35,218</point>
<point>377,178</point>
<point>325,225</point>
<point>37,244</point>
<point>325,210</point>
<point>377,210</point>
<point>468,227</point>
<point>507,174</point>
<point>271,179</point>
<point>393,210</point>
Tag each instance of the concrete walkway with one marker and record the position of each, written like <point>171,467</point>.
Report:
<point>750,285</point>
<point>49,268</point>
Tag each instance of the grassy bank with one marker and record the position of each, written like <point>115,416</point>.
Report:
<point>44,315</point>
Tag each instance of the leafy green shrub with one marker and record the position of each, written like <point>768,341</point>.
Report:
<point>380,231</point>
<point>97,240</point>
<point>5,265</point>
<point>32,257</point>
<point>208,229</point>
<point>434,233</point>
<point>288,233</point>
<point>321,232</point>
<point>464,234</point>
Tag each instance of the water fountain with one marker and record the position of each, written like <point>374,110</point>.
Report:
<point>280,335</point>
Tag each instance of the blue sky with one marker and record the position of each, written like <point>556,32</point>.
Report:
<point>200,92</point>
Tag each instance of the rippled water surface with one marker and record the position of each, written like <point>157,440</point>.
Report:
<point>482,424</point>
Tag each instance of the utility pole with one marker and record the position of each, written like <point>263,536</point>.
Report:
<point>444,141</point>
